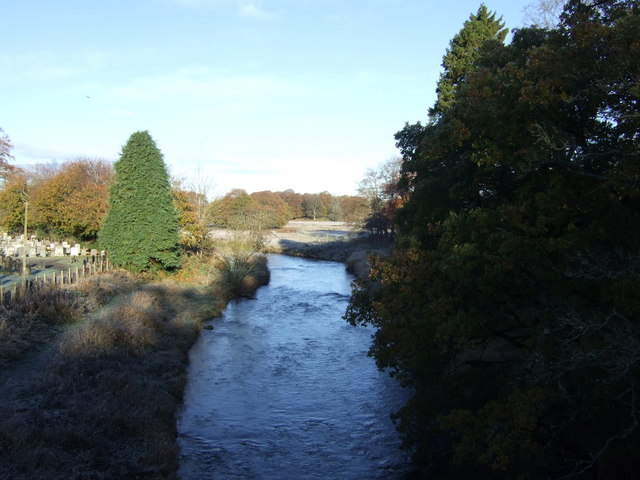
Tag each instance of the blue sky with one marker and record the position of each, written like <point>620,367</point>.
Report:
<point>253,94</point>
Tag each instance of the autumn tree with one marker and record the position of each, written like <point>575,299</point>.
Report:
<point>140,230</point>
<point>194,212</point>
<point>274,207</point>
<point>12,197</point>
<point>380,186</point>
<point>325,199</point>
<point>354,208</point>
<point>335,210</point>
<point>510,305</point>
<point>237,210</point>
<point>5,155</point>
<point>13,188</point>
<point>312,205</point>
<point>191,233</point>
<point>72,201</point>
<point>295,202</point>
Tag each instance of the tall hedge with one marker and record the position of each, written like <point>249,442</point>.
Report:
<point>140,231</point>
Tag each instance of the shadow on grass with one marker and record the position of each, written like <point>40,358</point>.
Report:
<point>336,250</point>
<point>102,401</point>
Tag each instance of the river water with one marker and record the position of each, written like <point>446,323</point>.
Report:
<point>282,388</point>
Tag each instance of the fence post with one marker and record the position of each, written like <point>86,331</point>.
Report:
<point>77,278</point>
<point>1,295</point>
<point>69,275</point>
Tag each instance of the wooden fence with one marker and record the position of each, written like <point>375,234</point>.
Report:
<point>75,274</point>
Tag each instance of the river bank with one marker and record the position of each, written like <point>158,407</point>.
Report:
<point>326,240</point>
<point>315,239</point>
<point>92,376</point>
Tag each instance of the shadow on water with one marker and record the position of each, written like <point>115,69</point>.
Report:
<point>283,387</point>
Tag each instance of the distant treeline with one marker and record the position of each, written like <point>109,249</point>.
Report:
<point>268,209</point>
<point>70,201</point>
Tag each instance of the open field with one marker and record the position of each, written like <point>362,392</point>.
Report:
<point>324,240</point>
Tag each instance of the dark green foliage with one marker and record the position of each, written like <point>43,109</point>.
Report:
<point>140,231</point>
<point>511,305</point>
<point>462,53</point>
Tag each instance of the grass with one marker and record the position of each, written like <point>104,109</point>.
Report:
<point>100,401</point>
<point>30,322</point>
<point>335,241</point>
<point>234,268</point>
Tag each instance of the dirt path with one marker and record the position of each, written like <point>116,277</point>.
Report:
<point>40,266</point>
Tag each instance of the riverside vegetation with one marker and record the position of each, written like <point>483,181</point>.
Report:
<point>91,375</point>
<point>509,306</point>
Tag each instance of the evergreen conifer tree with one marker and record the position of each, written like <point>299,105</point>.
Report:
<point>462,53</point>
<point>140,231</point>
<point>510,305</point>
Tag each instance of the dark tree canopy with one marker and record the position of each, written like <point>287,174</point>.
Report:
<point>140,230</point>
<point>462,53</point>
<point>510,306</point>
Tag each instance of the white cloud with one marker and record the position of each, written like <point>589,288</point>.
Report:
<point>253,9</point>
<point>31,154</point>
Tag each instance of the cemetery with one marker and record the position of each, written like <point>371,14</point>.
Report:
<point>48,263</point>
<point>15,247</point>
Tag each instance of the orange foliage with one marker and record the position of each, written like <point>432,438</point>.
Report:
<point>73,200</point>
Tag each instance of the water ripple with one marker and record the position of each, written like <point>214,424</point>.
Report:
<point>283,387</point>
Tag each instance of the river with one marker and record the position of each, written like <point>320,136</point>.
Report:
<point>282,388</point>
